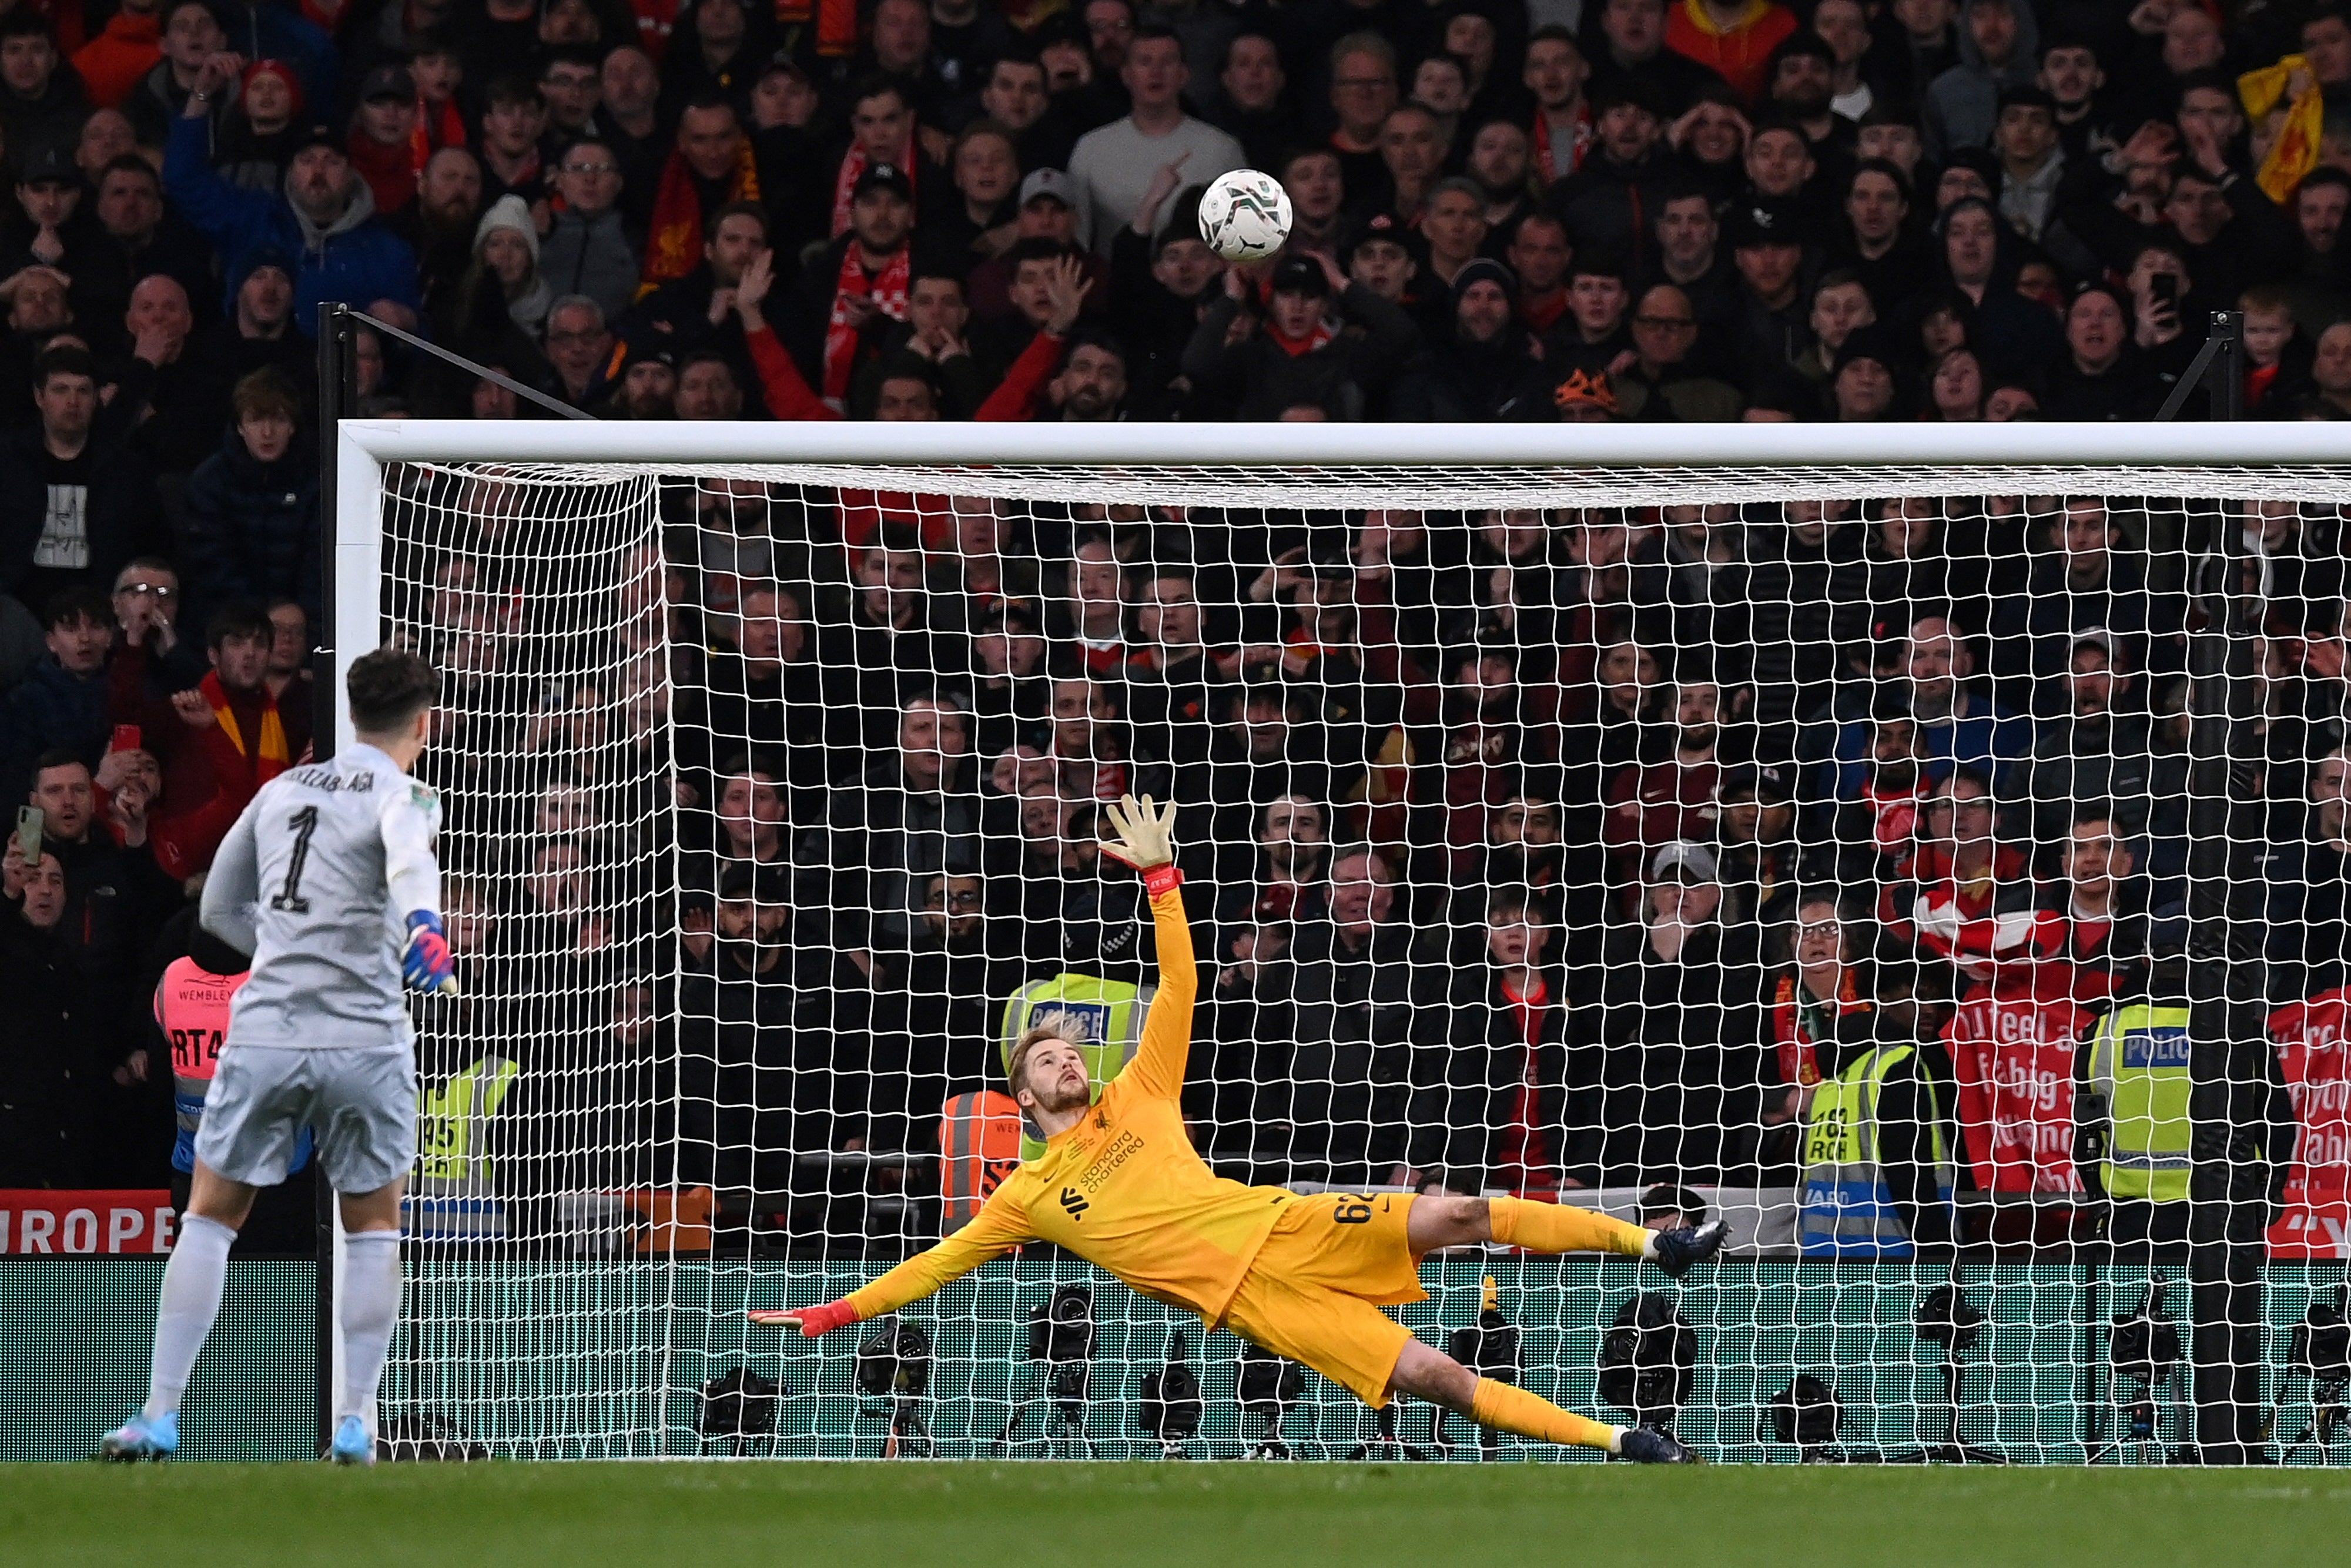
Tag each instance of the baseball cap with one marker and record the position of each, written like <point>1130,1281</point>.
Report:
<point>47,165</point>
<point>1686,858</point>
<point>1379,227</point>
<point>388,81</point>
<point>2097,637</point>
<point>320,136</point>
<point>1047,183</point>
<point>884,177</point>
<point>1764,782</point>
<point>1755,225</point>
<point>1300,275</point>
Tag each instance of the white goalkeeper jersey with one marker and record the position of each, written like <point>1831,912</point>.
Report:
<point>317,881</point>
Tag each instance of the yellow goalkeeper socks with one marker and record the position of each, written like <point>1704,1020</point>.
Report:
<point>1555,1228</point>
<point>1513,1409</point>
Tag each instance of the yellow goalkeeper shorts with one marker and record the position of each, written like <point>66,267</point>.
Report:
<point>1314,1292</point>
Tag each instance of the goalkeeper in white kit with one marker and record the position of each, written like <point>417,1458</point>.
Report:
<point>328,880</point>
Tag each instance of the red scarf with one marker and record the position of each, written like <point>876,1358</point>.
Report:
<point>844,184</point>
<point>1790,1028</point>
<point>1298,348</point>
<point>267,751</point>
<point>390,172</point>
<point>674,247</point>
<point>1526,1165</point>
<point>1581,145</point>
<point>886,288</point>
<point>836,23</point>
<point>436,129</point>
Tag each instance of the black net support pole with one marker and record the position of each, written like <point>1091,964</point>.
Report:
<point>2226,983</point>
<point>2227,378</point>
<point>2219,368</point>
<point>337,400</point>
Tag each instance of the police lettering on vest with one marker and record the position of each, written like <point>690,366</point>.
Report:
<point>1111,1011</point>
<point>192,1008</point>
<point>2314,1060</point>
<point>1848,1205</point>
<point>2139,1066</point>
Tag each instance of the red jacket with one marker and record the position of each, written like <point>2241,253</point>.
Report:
<point>206,779</point>
<point>1740,56</point>
<point>112,63</point>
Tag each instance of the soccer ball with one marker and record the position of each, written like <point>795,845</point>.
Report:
<point>1244,215</point>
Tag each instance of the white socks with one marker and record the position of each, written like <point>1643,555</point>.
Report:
<point>191,1300</point>
<point>371,1304</point>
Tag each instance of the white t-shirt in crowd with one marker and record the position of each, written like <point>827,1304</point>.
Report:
<point>1114,164</point>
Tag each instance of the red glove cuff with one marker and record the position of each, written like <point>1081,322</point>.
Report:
<point>821,1319</point>
<point>1162,879</point>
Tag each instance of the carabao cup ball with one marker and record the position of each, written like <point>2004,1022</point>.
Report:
<point>1244,215</point>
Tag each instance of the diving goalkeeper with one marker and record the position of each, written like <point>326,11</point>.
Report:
<point>1304,1277</point>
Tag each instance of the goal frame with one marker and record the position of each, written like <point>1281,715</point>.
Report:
<point>360,448</point>
<point>1780,457</point>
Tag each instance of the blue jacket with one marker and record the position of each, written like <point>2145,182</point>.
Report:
<point>356,260</point>
<point>51,709</point>
<point>1987,739</point>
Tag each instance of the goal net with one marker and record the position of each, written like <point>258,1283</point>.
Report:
<point>1933,868</point>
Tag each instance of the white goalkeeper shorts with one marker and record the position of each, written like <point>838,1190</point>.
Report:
<point>361,1105</point>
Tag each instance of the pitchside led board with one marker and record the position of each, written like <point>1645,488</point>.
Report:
<point>43,1224</point>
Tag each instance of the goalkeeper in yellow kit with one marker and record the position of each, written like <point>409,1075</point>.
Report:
<point>1304,1277</point>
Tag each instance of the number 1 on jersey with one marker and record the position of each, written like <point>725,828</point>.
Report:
<point>302,824</point>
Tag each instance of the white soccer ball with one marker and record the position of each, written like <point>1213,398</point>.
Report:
<point>1244,215</point>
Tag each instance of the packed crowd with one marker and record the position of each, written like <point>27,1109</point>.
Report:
<point>1529,850</point>
<point>1616,210</point>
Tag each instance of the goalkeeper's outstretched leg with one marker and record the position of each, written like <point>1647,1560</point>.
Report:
<point>1439,1222</point>
<point>1436,1223</point>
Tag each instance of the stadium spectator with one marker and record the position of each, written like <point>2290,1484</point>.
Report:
<point>1113,164</point>
<point>326,217</point>
<point>1661,1020</point>
<point>75,499</point>
<point>248,527</point>
<point>1489,1108</point>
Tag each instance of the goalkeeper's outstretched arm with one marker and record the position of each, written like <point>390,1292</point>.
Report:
<point>1144,843</point>
<point>996,1230</point>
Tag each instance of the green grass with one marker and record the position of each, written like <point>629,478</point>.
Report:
<point>1199,1515</point>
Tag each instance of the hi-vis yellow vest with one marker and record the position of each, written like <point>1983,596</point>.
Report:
<point>452,1122</point>
<point>1848,1208</point>
<point>2139,1062</point>
<point>1111,1014</point>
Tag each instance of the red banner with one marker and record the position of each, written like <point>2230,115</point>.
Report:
<point>2316,1221</point>
<point>2012,1052</point>
<point>35,1223</point>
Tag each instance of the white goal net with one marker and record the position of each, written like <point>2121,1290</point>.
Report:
<point>1935,870</point>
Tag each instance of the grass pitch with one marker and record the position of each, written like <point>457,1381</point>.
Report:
<point>1196,1515</point>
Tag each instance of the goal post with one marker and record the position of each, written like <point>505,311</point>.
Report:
<point>699,673</point>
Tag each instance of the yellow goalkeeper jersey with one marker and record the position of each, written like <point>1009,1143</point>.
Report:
<point>1122,1189</point>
